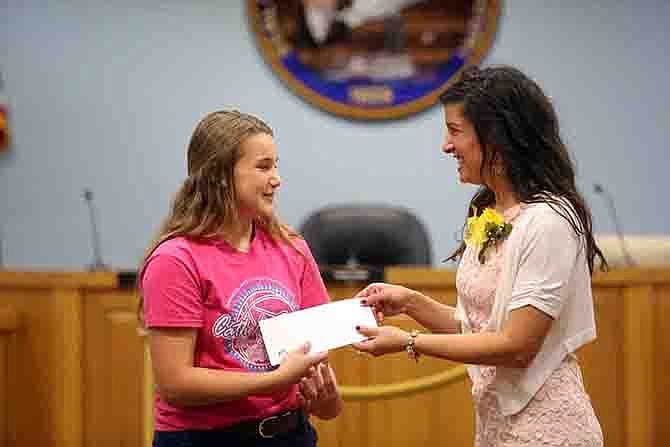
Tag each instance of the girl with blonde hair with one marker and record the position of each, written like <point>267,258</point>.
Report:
<point>222,262</point>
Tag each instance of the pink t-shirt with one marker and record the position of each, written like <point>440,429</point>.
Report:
<point>224,293</point>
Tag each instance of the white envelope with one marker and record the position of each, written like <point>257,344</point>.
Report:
<point>327,326</point>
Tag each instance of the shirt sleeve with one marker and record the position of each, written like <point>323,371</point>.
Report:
<point>547,260</point>
<point>171,293</point>
<point>313,289</point>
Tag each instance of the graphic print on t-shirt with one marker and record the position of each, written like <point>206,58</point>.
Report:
<point>255,300</point>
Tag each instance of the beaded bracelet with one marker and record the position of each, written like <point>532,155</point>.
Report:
<point>409,347</point>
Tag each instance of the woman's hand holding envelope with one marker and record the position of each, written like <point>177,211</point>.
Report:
<point>387,299</point>
<point>381,340</point>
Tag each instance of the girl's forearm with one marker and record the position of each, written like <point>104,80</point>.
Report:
<point>195,386</point>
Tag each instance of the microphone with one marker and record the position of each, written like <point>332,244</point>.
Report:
<point>601,191</point>
<point>97,264</point>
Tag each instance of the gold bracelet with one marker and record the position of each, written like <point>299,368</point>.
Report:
<point>410,348</point>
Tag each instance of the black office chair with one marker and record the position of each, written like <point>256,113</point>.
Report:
<point>366,235</point>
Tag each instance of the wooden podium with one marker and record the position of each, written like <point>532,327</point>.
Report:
<point>72,365</point>
<point>74,362</point>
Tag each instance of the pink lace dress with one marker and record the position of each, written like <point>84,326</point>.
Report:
<point>560,414</point>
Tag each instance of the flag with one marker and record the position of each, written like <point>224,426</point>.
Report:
<point>4,127</point>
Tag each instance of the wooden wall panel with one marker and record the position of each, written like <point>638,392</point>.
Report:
<point>5,361</point>
<point>73,373</point>
<point>638,365</point>
<point>602,365</point>
<point>65,379</point>
<point>46,401</point>
<point>661,399</point>
<point>45,404</point>
<point>114,370</point>
<point>10,323</point>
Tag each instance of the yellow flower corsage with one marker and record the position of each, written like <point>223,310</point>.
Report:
<point>485,230</point>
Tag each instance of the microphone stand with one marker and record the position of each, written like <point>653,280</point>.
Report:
<point>600,190</point>
<point>97,264</point>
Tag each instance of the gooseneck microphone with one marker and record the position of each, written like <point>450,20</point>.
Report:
<point>97,264</point>
<point>601,191</point>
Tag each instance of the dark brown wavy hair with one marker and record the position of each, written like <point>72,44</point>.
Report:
<point>205,204</point>
<point>516,124</point>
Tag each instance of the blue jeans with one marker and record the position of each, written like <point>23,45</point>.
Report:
<point>303,436</point>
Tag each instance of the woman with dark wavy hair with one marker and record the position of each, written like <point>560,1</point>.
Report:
<point>222,262</point>
<point>524,275</point>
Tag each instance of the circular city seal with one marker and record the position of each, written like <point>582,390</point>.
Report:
<point>372,59</point>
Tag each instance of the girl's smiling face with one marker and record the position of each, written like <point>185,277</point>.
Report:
<point>256,177</point>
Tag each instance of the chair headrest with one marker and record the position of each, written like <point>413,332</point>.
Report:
<point>367,235</point>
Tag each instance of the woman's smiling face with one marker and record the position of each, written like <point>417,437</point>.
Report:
<point>462,143</point>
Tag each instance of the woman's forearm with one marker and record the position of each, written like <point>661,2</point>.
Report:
<point>515,346</point>
<point>484,348</point>
<point>433,315</point>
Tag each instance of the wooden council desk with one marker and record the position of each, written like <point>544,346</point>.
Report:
<point>72,366</point>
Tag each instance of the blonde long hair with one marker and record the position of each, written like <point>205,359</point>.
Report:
<point>206,201</point>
